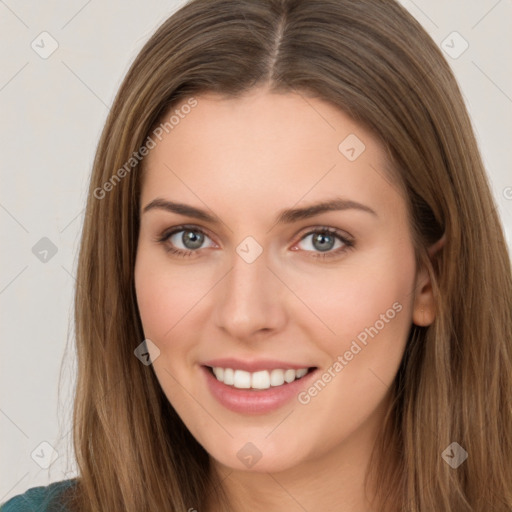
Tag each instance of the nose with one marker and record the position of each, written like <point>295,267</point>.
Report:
<point>251,300</point>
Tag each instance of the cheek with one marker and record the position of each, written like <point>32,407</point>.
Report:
<point>165,294</point>
<point>368,302</point>
<point>157,307</point>
<point>369,308</point>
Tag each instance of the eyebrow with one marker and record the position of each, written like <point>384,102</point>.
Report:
<point>287,216</point>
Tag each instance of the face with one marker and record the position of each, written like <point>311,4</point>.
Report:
<point>279,325</point>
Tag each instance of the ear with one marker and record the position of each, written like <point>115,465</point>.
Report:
<point>424,309</point>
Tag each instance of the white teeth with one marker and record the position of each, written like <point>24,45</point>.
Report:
<point>242,379</point>
<point>257,380</point>
<point>229,376</point>
<point>289,375</point>
<point>300,373</point>
<point>219,373</point>
<point>260,380</point>
<point>276,377</point>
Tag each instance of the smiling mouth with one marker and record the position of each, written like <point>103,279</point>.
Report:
<point>260,380</point>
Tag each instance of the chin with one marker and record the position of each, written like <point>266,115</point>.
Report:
<point>258,455</point>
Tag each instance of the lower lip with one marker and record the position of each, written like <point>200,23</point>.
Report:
<point>255,401</point>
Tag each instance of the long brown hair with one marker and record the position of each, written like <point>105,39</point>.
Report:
<point>371,59</point>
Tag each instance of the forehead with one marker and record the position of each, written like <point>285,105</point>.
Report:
<point>264,150</point>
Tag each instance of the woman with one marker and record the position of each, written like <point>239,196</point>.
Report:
<point>293,288</point>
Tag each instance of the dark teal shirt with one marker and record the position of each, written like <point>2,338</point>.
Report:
<point>39,499</point>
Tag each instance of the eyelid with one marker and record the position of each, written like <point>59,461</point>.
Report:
<point>347,239</point>
<point>326,229</point>
<point>167,233</point>
<point>180,227</point>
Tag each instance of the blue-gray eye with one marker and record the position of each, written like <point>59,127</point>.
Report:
<point>324,240</point>
<point>190,238</point>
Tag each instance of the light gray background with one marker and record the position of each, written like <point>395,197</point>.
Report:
<point>52,112</point>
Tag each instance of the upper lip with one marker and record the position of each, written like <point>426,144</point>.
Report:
<point>253,366</point>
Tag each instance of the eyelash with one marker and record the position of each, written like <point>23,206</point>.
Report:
<point>348,242</point>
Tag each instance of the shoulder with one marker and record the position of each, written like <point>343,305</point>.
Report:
<point>39,499</point>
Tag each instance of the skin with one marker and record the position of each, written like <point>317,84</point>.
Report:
<point>245,160</point>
